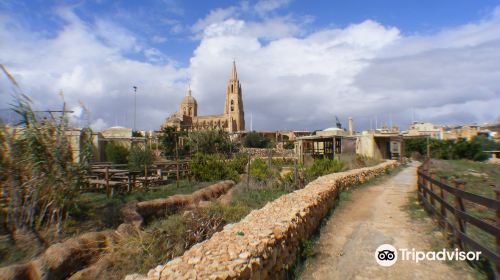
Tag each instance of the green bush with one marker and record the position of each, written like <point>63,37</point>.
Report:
<point>205,167</point>
<point>322,167</point>
<point>116,152</point>
<point>452,149</point>
<point>255,140</point>
<point>168,138</point>
<point>289,145</point>
<point>259,170</point>
<point>140,156</point>
<point>211,142</point>
<point>239,163</point>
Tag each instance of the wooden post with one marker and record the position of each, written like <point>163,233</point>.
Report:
<point>248,170</point>
<point>443,179</point>
<point>497,192</point>
<point>431,188</point>
<point>176,162</point>
<point>106,176</point>
<point>459,205</point>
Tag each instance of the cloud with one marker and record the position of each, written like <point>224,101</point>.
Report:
<point>292,77</point>
<point>263,7</point>
<point>158,39</point>
<point>92,67</point>
<point>365,70</point>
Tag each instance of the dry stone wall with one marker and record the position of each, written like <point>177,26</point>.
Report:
<point>264,153</point>
<point>264,245</point>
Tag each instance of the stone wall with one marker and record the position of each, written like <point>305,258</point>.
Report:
<point>264,153</point>
<point>264,245</point>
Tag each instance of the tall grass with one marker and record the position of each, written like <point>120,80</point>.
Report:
<point>38,178</point>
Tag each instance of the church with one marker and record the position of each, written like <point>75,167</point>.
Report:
<point>232,120</point>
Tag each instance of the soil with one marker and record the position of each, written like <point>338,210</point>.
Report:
<point>372,216</point>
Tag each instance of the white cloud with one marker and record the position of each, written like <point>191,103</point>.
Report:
<point>99,125</point>
<point>158,39</point>
<point>365,70</point>
<point>263,7</point>
<point>292,79</point>
<point>91,66</point>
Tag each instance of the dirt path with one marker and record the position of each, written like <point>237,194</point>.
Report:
<point>371,217</point>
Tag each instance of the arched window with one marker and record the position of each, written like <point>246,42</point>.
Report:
<point>232,105</point>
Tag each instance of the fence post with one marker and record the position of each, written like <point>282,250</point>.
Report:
<point>497,192</point>
<point>106,176</point>
<point>459,205</point>
<point>419,182</point>
<point>431,188</point>
<point>443,179</point>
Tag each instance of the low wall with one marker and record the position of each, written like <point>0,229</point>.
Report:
<point>264,153</point>
<point>264,245</point>
<point>135,212</point>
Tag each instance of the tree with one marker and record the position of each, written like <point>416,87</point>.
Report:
<point>255,140</point>
<point>167,141</point>
<point>211,142</point>
<point>139,157</point>
<point>116,152</point>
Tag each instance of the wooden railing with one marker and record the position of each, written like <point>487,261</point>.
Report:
<point>434,195</point>
<point>117,177</point>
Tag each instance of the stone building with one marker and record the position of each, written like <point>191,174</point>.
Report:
<point>232,120</point>
<point>425,129</point>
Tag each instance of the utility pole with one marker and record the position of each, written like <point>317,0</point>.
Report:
<point>135,105</point>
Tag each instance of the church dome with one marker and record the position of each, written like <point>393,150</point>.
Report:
<point>188,99</point>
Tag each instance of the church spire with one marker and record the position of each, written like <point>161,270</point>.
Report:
<point>234,74</point>
<point>189,89</point>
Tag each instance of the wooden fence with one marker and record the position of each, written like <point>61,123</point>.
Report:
<point>117,177</point>
<point>434,195</point>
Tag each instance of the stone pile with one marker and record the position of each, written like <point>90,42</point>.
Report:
<point>265,244</point>
<point>136,212</point>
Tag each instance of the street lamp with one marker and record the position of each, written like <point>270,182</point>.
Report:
<point>135,105</point>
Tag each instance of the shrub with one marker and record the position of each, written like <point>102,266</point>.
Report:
<point>140,156</point>
<point>116,152</point>
<point>259,170</point>
<point>452,149</point>
<point>38,176</point>
<point>214,167</point>
<point>239,163</point>
<point>289,145</point>
<point>322,167</point>
<point>255,140</point>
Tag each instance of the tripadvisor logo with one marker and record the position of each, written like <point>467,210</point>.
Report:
<point>387,255</point>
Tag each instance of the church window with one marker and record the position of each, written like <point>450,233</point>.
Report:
<point>232,88</point>
<point>232,105</point>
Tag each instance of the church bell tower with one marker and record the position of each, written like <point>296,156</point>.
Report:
<point>234,103</point>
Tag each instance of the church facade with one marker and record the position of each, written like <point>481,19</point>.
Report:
<point>232,120</point>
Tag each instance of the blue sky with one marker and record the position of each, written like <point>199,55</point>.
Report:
<point>366,59</point>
